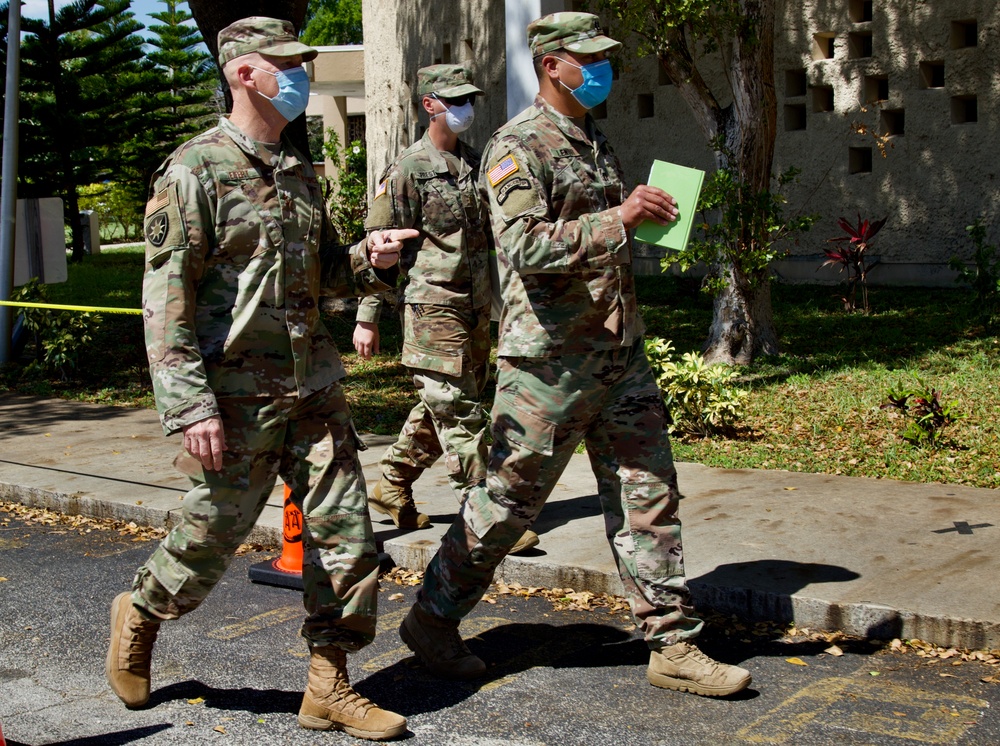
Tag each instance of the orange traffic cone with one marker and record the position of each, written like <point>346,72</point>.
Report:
<point>286,570</point>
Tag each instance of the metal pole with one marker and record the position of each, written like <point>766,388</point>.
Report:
<point>8,198</point>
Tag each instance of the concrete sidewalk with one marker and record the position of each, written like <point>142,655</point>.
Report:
<point>869,557</point>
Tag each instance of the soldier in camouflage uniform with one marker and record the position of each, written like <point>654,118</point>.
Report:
<point>238,249</point>
<point>571,368</point>
<point>446,297</point>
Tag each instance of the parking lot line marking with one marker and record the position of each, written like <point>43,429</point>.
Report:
<point>859,705</point>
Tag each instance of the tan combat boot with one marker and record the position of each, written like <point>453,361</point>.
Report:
<point>329,702</point>
<point>130,651</point>
<point>685,668</point>
<point>528,540</point>
<point>439,646</point>
<point>396,501</point>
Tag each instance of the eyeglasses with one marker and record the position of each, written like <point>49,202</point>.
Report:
<point>469,98</point>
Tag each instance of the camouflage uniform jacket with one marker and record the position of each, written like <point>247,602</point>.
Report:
<point>564,255</point>
<point>448,264</point>
<point>234,269</point>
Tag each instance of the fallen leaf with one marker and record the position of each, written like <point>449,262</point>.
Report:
<point>899,714</point>
<point>791,489</point>
<point>873,673</point>
<point>3,580</point>
<point>189,722</point>
<point>396,597</point>
<point>834,650</point>
<point>796,661</point>
<point>219,729</point>
<point>196,701</point>
<point>947,676</point>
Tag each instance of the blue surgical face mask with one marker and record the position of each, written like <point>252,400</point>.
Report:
<point>596,83</point>
<point>293,91</point>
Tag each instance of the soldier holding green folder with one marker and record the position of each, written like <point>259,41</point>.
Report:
<point>571,368</point>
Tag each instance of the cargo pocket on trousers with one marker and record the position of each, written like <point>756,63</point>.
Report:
<point>235,472</point>
<point>440,361</point>
<point>522,427</point>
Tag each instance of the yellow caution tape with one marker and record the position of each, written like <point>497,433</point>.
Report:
<point>87,309</point>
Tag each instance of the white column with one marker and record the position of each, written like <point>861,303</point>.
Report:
<point>521,82</point>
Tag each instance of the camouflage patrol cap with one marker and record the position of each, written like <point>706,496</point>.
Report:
<point>446,81</point>
<point>269,36</point>
<point>574,32</point>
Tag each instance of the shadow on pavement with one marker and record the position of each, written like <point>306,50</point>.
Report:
<point>109,739</point>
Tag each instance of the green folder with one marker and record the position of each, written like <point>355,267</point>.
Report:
<point>684,185</point>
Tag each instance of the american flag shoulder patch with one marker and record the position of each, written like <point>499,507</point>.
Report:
<point>502,170</point>
<point>380,189</point>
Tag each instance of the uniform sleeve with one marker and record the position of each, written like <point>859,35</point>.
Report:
<point>529,236</point>
<point>179,231</point>
<point>369,309</point>
<point>347,273</point>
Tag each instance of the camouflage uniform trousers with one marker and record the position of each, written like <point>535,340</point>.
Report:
<point>448,353</point>
<point>311,443</point>
<point>543,408</point>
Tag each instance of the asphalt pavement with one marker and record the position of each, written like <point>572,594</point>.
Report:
<point>874,558</point>
<point>232,672</point>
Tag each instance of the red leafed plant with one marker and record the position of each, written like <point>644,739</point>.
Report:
<point>851,253</point>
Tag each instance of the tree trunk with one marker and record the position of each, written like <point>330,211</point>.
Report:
<point>743,322</point>
<point>213,16</point>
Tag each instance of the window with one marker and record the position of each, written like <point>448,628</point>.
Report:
<point>822,98</point>
<point>964,34</point>
<point>932,75</point>
<point>823,45</point>
<point>645,105</point>
<point>860,11</point>
<point>795,117</point>
<point>356,128</point>
<point>876,88</point>
<point>964,110</point>
<point>859,45</point>
<point>795,83</point>
<point>860,161</point>
<point>893,121</point>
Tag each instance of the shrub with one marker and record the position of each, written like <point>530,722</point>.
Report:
<point>983,276</point>
<point>853,258</point>
<point>346,193</point>
<point>927,414</point>
<point>701,399</point>
<point>60,336</point>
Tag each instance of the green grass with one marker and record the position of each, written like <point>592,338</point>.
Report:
<point>813,408</point>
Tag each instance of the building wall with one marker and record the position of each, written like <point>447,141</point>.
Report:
<point>400,38</point>
<point>889,108</point>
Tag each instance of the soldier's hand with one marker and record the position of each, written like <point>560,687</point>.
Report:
<point>205,441</point>
<point>648,203</point>
<point>384,246</point>
<point>366,339</point>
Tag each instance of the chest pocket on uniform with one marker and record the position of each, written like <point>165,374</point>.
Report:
<point>247,222</point>
<point>576,186</point>
<point>442,207</point>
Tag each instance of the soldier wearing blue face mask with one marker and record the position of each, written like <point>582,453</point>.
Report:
<point>570,369</point>
<point>238,249</point>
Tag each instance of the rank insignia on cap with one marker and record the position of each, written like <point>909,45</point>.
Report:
<point>502,170</point>
<point>380,189</point>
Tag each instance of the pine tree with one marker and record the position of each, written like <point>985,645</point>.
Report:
<point>71,104</point>
<point>174,91</point>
